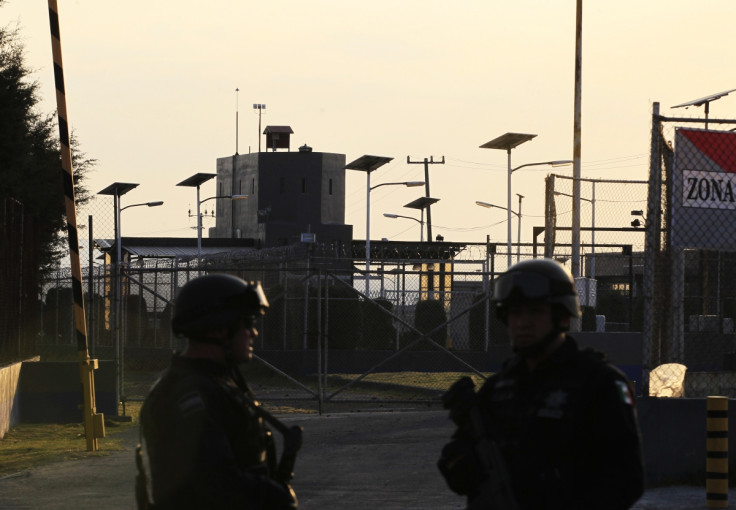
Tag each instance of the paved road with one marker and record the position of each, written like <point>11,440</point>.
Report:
<point>357,460</point>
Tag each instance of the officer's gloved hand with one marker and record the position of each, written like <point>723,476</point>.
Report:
<point>277,496</point>
<point>460,466</point>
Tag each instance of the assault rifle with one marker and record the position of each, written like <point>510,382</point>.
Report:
<point>292,441</point>
<point>495,491</point>
<point>292,435</point>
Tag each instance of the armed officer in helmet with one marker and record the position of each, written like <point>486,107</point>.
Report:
<point>207,445</point>
<point>561,419</point>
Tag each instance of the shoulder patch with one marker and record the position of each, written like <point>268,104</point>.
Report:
<point>191,403</point>
<point>624,393</point>
<point>593,355</point>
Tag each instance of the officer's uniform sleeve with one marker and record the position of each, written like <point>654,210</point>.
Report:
<point>613,450</point>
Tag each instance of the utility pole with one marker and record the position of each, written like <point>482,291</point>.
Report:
<point>426,164</point>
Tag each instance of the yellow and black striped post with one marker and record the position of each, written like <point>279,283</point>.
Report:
<point>716,482</point>
<point>94,424</point>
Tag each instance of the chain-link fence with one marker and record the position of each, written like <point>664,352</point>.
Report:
<point>330,336</point>
<point>611,247</point>
<point>689,299</point>
<point>322,338</point>
<point>655,258</point>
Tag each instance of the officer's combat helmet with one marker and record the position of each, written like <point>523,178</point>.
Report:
<point>541,280</point>
<point>216,301</point>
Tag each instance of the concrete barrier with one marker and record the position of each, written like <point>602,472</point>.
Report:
<point>9,377</point>
<point>51,391</point>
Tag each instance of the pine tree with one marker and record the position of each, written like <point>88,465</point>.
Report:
<point>30,161</point>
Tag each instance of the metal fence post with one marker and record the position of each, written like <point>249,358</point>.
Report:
<point>652,230</point>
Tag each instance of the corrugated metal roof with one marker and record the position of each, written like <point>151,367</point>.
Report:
<point>177,247</point>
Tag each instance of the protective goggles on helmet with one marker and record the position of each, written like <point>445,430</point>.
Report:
<point>524,285</point>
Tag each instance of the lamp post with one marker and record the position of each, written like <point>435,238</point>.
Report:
<point>409,184</point>
<point>119,314</point>
<point>421,223</point>
<point>199,222</point>
<point>518,216</point>
<point>592,225</point>
<point>195,181</point>
<point>368,164</point>
<point>119,240</point>
<point>116,190</point>
<point>423,203</point>
<point>507,142</point>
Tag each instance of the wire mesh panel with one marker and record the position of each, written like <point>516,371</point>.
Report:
<point>691,250</point>
<point>612,236</point>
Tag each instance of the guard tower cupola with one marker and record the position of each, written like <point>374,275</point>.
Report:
<point>278,137</point>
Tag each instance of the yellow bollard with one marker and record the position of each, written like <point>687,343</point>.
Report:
<point>716,464</point>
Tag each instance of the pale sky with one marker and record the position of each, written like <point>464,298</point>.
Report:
<point>151,94</point>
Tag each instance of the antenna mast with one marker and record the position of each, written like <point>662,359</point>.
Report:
<point>236,120</point>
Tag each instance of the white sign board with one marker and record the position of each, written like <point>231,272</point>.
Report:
<point>708,190</point>
<point>703,208</point>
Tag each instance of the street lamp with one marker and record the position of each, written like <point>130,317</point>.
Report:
<point>507,142</point>
<point>408,184</point>
<point>368,164</point>
<point>421,223</point>
<point>518,216</point>
<point>195,181</point>
<point>563,162</point>
<point>199,222</point>
<point>592,225</point>
<point>119,239</point>
<point>422,204</point>
<point>116,190</point>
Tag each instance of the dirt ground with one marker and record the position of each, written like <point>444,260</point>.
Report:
<point>361,460</point>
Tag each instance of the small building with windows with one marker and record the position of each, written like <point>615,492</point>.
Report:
<point>289,194</point>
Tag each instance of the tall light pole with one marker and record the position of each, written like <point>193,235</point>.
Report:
<point>195,181</point>
<point>409,184</point>
<point>421,223</point>
<point>199,222</point>
<point>507,142</point>
<point>368,164</point>
<point>116,190</point>
<point>259,107</point>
